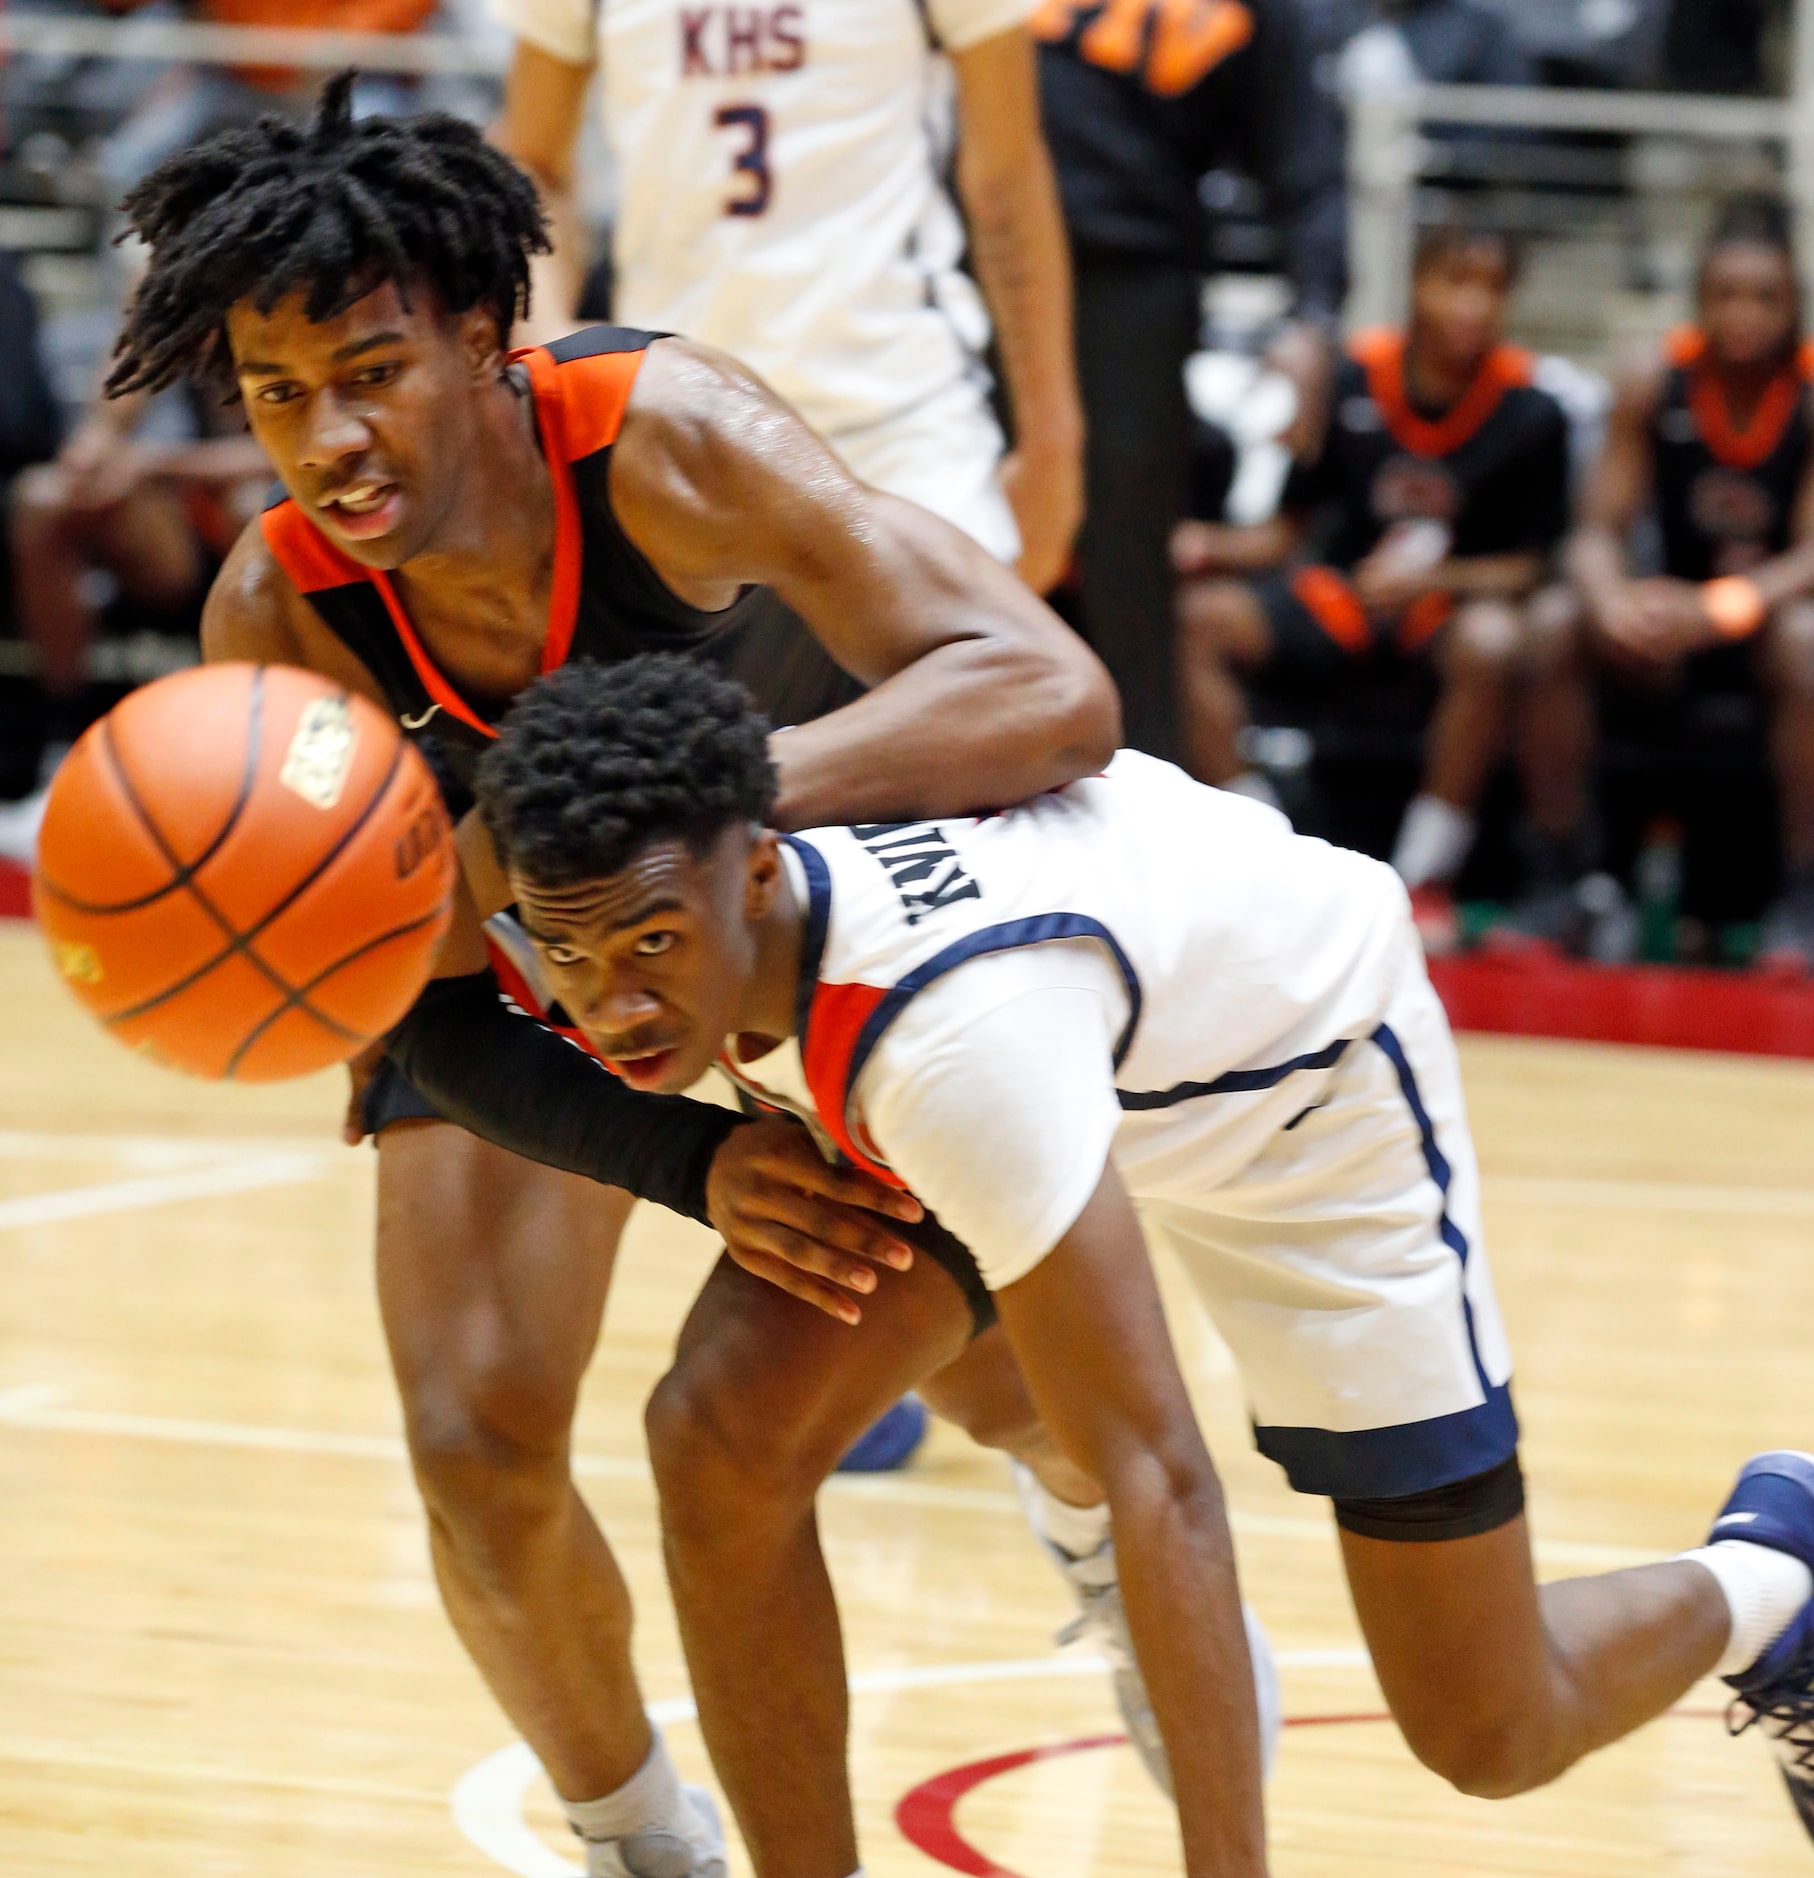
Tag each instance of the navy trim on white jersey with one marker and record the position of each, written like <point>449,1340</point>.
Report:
<point>1411,1457</point>
<point>1235,1082</point>
<point>1440,1172</point>
<point>1040,929</point>
<point>1397,1462</point>
<point>812,938</point>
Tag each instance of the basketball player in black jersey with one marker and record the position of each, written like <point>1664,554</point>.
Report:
<point>1713,437</point>
<point>456,522</point>
<point>1420,531</point>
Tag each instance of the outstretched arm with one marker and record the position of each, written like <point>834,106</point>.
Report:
<point>1087,1329</point>
<point>981,695</point>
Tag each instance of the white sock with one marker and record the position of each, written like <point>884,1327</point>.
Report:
<point>649,1801</point>
<point>1433,841</point>
<point>1764,1590</point>
<point>1256,785</point>
<point>1077,1531</point>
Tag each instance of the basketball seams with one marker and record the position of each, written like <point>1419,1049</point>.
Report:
<point>297,1001</point>
<point>241,943</point>
<point>181,876</point>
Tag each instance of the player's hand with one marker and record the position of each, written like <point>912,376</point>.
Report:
<point>789,1216</point>
<point>1659,621</point>
<point>1385,587</point>
<point>102,468</point>
<point>1044,487</point>
<point>360,1071</point>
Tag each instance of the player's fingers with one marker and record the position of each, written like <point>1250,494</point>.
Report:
<point>848,1186</point>
<point>798,1284</point>
<point>833,1223</point>
<point>810,1255</point>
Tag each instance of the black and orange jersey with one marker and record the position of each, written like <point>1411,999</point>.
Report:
<point>606,602</point>
<point>1725,496</point>
<point>1492,469</point>
<point>1142,98</point>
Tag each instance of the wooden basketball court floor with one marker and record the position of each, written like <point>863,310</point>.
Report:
<point>220,1646</point>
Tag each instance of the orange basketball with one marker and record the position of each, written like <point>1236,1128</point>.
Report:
<point>245,871</point>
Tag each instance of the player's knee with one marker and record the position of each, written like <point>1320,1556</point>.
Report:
<point>718,1459</point>
<point>1219,623</point>
<point>1485,639</point>
<point>40,499</point>
<point>488,1441</point>
<point>1487,1760</point>
<point>1555,631</point>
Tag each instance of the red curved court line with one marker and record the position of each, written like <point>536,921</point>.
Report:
<point>927,1816</point>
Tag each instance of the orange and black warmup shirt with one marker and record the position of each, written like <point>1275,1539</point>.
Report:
<point>1493,468</point>
<point>607,602</point>
<point>1725,497</point>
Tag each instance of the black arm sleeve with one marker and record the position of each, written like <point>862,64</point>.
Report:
<point>515,1083</point>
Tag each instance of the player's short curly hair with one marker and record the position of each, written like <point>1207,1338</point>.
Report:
<point>596,762</point>
<point>336,208</point>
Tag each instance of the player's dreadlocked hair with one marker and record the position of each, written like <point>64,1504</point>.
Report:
<point>336,208</point>
<point>595,762</point>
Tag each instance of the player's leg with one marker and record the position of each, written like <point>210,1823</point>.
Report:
<point>1224,634</point>
<point>1500,1684</point>
<point>1399,1411</point>
<point>1306,628</point>
<point>1787,658</point>
<point>144,540</point>
<point>1555,736</point>
<point>492,1275</point>
<point>1476,657</point>
<point>1556,730</point>
<point>764,1397</point>
<point>985,1393</point>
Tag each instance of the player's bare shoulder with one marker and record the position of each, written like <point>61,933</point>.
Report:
<point>702,433</point>
<point>253,610</point>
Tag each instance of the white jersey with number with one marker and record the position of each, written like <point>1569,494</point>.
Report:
<point>780,187</point>
<point>1142,968</point>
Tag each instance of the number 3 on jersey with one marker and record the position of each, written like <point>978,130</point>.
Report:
<point>751,162</point>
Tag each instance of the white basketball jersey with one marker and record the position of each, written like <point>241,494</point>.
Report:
<point>780,185</point>
<point>1251,957</point>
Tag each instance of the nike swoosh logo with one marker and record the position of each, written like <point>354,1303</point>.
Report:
<point>416,723</point>
<point>1735,1519</point>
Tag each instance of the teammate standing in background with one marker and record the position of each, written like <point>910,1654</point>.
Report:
<point>1420,530</point>
<point>1141,102</point>
<point>1715,437</point>
<point>781,196</point>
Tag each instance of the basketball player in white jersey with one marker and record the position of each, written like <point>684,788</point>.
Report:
<point>1138,1000</point>
<point>781,196</point>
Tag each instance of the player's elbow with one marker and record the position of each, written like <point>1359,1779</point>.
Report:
<point>1076,711</point>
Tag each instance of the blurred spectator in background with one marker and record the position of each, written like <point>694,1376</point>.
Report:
<point>1392,44</point>
<point>122,510</point>
<point>1716,45</point>
<point>1141,102</point>
<point>28,409</point>
<point>1419,532</point>
<point>1714,438</point>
